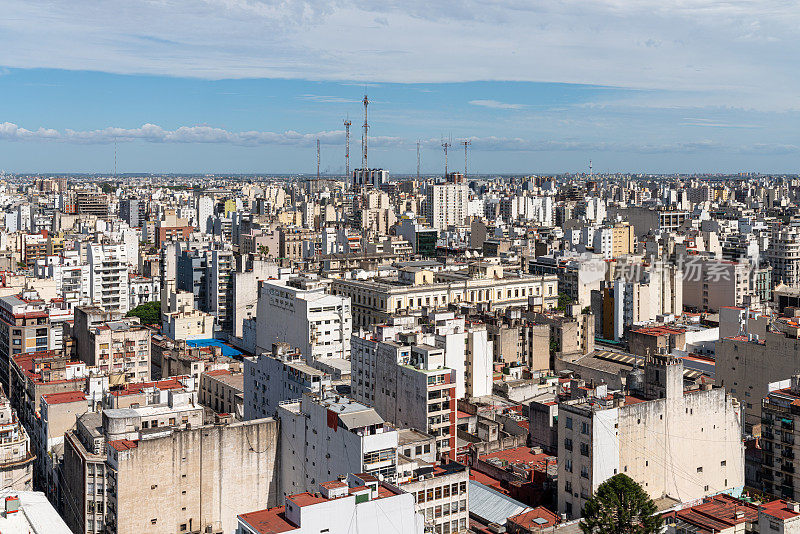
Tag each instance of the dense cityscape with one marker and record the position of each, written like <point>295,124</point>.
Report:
<point>359,267</point>
<point>436,353</point>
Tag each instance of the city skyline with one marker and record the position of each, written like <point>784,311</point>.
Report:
<point>249,87</point>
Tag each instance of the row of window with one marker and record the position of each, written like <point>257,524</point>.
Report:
<point>442,492</point>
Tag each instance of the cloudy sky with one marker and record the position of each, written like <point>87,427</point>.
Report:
<point>249,85</point>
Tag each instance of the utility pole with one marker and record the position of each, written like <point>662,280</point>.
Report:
<point>466,143</point>
<point>364,161</point>
<point>445,145</point>
<point>347,124</point>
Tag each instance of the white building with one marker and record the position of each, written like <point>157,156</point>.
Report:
<point>327,436</point>
<point>270,379</point>
<point>300,313</point>
<point>205,210</point>
<point>30,512</point>
<point>358,503</point>
<point>70,274</point>
<point>447,204</point>
<point>676,443</point>
<point>108,276</point>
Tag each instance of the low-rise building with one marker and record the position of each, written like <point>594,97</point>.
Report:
<point>358,503</point>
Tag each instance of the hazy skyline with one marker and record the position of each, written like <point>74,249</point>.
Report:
<point>248,85</point>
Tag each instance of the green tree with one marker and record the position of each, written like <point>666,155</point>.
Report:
<point>148,313</point>
<point>620,506</point>
<point>564,300</point>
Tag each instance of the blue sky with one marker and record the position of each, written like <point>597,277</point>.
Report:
<point>249,85</point>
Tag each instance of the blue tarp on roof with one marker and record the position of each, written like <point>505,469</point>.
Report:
<point>227,350</point>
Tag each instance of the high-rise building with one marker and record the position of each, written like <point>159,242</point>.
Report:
<point>108,276</point>
<point>299,312</point>
<point>447,204</point>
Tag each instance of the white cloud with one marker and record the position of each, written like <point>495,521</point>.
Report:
<point>152,133</point>
<point>735,50</point>
<point>494,104</point>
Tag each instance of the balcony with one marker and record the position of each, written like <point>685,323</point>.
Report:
<point>788,453</point>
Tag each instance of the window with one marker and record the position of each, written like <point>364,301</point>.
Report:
<point>568,423</point>
<point>584,428</point>
<point>568,444</point>
<point>699,469</point>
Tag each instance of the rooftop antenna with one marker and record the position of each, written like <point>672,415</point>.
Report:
<point>417,159</point>
<point>591,173</point>
<point>466,143</point>
<point>318,159</point>
<point>366,130</point>
<point>347,123</point>
<point>446,145</point>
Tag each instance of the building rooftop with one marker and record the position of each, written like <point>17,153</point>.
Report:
<point>35,515</point>
<point>715,514</point>
<point>64,397</point>
<point>781,509</point>
<point>270,521</point>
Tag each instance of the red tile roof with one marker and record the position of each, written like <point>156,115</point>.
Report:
<point>123,444</point>
<point>268,521</point>
<point>64,397</point>
<point>779,510</point>
<point>526,519</point>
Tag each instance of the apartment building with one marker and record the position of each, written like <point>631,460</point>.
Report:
<point>28,324</point>
<point>355,503</point>
<point>70,274</point>
<point>115,345</point>
<point>223,391</point>
<point>783,254</point>
<point>375,301</point>
<point>299,312</point>
<point>325,436</point>
<point>108,276</point>
<point>273,378</point>
<point>780,420</point>
<point>709,285</point>
<point>369,178</point>
<point>441,496</point>
<point>748,361</point>
<point>446,204</point>
<point>683,444</point>
<point>176,469</point>
<point>16,453</point>
<point>409,381</point>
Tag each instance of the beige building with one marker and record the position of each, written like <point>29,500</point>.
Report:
<point>113,344</point>
<point>179,318</point>
<point>676,443</point>
<point>747,363</point>
<point>709,285</point>
<point>223,391</point>
<point>487,284</point>
<point>623,240</point>
<point>192,480</point>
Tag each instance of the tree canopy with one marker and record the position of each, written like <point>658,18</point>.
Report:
<point>620,506</point>
<point>148,313</point>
